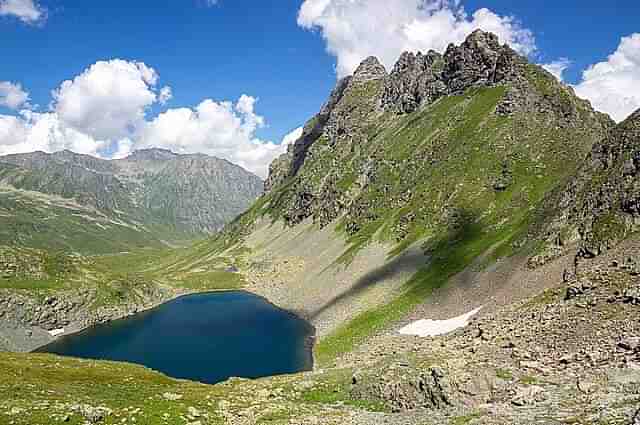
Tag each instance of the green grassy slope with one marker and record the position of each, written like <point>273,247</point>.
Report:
<point>32,219</point>
<point>43,389</point>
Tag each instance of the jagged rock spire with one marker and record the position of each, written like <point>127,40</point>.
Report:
<point>415,79</point>
<point>422,78</point>
<point>369,69</point>
<point>479,60</point>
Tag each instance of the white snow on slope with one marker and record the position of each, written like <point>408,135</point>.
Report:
<point>428,327</point>
<point>56,332</point>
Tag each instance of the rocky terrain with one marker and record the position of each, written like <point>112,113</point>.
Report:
<point>65,200</point>
<point>457,181</point>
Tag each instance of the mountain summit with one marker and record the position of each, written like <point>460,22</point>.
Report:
<point>151,196</point>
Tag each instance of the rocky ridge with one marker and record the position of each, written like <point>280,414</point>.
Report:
<point>346,138</point>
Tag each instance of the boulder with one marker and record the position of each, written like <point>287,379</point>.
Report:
<point>630,344</point>
<point>632,295</point>
<point>528,396</point>
<point>92,414</point>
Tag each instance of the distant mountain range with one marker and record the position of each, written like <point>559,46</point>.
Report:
<point>153,197</point>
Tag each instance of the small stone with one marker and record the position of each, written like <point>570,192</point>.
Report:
<point>528,395</point>
<point>630,344</point>
<point>566,359</point>
<point>632,296</point>
<point>92,414</point>
<point>172,396</point>
<point>16,411</point>
<point>573,292</point>
<point>193,412</point>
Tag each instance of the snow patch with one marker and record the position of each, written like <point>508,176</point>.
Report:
<point>428,327</point>
<point>56,332</point>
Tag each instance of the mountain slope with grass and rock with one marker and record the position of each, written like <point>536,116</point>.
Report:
<point>468,192</point>
<point>154,197</point>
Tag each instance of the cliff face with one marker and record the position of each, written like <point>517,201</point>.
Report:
<point>156,194</point>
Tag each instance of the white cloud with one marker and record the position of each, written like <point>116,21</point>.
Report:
<point>165,95</point>
<point>108,100</point>
<point>33,131</point>
<point>355,29</point>
<point>102,112</point>
<point>124,148</point>
<point>27,11</point>
<point>222,129</point>
<point>290,138</point>
<point>557,67</point>
<point>613,86</point>
<point>12,95</point>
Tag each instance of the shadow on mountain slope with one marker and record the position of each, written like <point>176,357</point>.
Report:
<point>441,254</point>
<point>408,262</point>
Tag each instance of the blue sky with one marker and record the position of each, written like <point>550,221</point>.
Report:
<point>236,47</point>
<point>284,58</point>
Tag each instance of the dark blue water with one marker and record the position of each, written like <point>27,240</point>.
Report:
<point>205,337</point>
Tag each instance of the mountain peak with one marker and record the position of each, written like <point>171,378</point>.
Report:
<point>632,120</point>
<point>480,39</point>
<point>152,154</point>
<point>369,69</point>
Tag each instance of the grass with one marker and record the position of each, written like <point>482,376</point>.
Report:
<point>464,420</point>
<point>451,258</point>
<point>547,297</point>
<point>335,388</point>
<point>212,281</point>
<point>528,380</point>
<point>32,285</point>
<point>32,379</point>
<point>504,374</point>
<point>45,387</point>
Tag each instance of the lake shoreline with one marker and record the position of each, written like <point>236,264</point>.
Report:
<point>21,337</point>
<point>248,335</point>
<point>309,343</point>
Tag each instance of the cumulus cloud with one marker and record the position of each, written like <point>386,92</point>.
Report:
<point>12,95</point>
<point>108,100</point>
<point>165,95</point>
<point>355,29</point>
<point>27,11</point>
<point>31,131</point>
<point>613,86</point>
<point>558,67</point>
<point>103,112</point>
<point>223,129</point>
<point>290,138</point>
